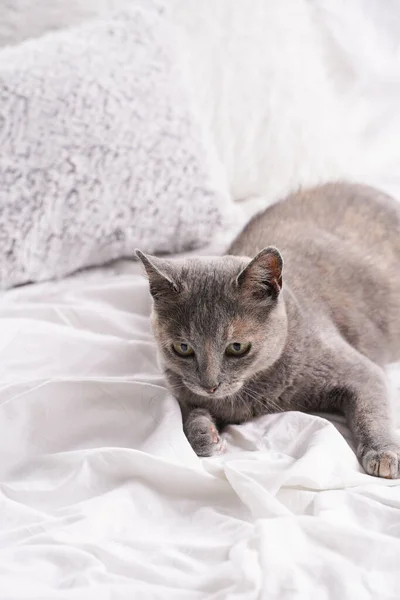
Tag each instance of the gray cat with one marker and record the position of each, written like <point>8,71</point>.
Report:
<point>236,342</point>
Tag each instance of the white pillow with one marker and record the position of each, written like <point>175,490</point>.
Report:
<point>99,150</point>
<point>296,92</point>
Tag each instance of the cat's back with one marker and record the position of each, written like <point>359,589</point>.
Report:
<point>351,213</point>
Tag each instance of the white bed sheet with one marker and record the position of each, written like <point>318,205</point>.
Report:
<point>102,497</point>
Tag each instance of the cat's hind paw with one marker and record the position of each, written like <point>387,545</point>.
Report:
<point>381,463</point>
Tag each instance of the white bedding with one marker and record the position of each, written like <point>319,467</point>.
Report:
<point>102,497</point>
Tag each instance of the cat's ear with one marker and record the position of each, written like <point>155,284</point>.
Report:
<point>263,275</point>
<point>160,280</point>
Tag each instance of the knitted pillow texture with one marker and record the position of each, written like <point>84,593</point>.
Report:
<point>100,151</point>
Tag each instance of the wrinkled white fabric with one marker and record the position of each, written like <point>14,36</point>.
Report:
<point>102,497</point>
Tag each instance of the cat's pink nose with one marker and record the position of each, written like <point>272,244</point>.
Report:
<point>212,390</point>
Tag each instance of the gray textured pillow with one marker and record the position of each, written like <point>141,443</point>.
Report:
<point>100,151</point>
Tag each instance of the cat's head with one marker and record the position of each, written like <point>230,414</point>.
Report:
<point>217,321</point>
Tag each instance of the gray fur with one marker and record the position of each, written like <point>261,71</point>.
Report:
<point>320,335</point>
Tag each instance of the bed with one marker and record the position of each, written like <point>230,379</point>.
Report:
<point>102,496</point>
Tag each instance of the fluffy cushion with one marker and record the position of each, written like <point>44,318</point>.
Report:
<point>100,151</point>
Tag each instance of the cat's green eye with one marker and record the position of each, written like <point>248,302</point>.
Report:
<point>237,349</point>
<point>183,349</point>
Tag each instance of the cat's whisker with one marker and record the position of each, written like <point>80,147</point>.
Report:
<point>257,397</point>
<point>263,402</point>
<point>299,405</point>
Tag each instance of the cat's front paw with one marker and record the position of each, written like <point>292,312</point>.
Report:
<point>203,436</point>
<point>381,462</point>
